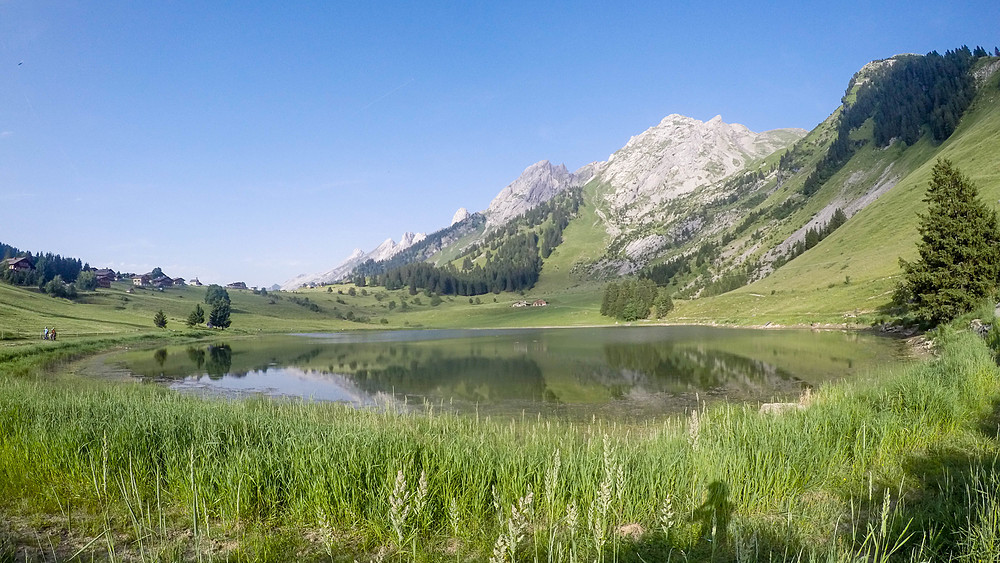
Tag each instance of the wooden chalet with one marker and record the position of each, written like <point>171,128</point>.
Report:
<point>104,277</point>
<point>21,264</point>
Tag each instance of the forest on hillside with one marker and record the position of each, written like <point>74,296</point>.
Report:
<point>907,97</point>
<point>507,259</point>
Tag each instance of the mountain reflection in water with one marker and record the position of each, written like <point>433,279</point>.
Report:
<point>614,371</point>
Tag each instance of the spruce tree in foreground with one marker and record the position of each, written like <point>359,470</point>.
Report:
<point>959,250</point>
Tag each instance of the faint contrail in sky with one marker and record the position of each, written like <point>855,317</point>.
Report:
<point>386,95</point>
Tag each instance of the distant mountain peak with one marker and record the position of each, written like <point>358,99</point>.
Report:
<point>341,271</point>
<point>537,184</point>
<point>389,248</point>
<point>679,155</point>
<point>461,215</point>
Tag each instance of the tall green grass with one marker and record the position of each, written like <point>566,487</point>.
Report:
<point>868,469</point>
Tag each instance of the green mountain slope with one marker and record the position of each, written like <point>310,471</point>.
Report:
<point>854,270</point>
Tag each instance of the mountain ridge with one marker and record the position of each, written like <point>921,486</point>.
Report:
<point>543,180</point>
<point>342,270</point>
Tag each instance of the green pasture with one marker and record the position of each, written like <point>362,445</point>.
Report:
<point>25,312</point>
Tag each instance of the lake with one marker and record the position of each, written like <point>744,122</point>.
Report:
<point>575,373</point>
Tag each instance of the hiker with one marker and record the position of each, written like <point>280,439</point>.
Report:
<point>45,334</point>
<point>52,334</point>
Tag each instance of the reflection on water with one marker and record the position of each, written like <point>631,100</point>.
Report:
<point>630,372</point>
<point>668,367</point>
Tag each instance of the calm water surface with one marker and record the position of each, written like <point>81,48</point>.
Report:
<point>626,372</point>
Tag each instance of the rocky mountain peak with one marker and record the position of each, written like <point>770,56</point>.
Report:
<point>389,248</point>
<point>341,271</point>
<point>461,215</point>
<point>383,251</point>
<point>537,184</point>
<point>673,158</point>
<point>679,155</point>
<point>409,239</point>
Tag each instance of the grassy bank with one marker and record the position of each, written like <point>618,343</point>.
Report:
<point>901,463</point>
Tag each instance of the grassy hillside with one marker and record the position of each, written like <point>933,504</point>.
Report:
<point>584,240</point>
<point>854,269</point>
<point>25,312</point>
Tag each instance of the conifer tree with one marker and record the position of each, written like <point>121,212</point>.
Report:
<point>159,319</point>
<point>215,294</point>
<point>218,317</point>
<point>197,316</point>
<point>959,250</point>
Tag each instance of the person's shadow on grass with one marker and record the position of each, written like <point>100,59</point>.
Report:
<point>714,515</point>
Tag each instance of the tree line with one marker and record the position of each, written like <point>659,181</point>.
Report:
<point>508,259</point>
<point>560,209</point>
<point>515,266</point>
<point>47,267</point>
<point>419,251</point>
<point>813,237</point>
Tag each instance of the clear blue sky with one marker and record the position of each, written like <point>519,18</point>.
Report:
<point>241,141</point>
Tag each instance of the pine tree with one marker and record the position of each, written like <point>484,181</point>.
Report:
<point>218,317</point>
<point>160,320</point>
<point>959,250</point>
<point>197,316</point>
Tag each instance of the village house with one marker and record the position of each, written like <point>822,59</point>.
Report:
<point>104,277</point>
<point>20,264</point>
<point>141,281</point>
<point>237,285</point>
